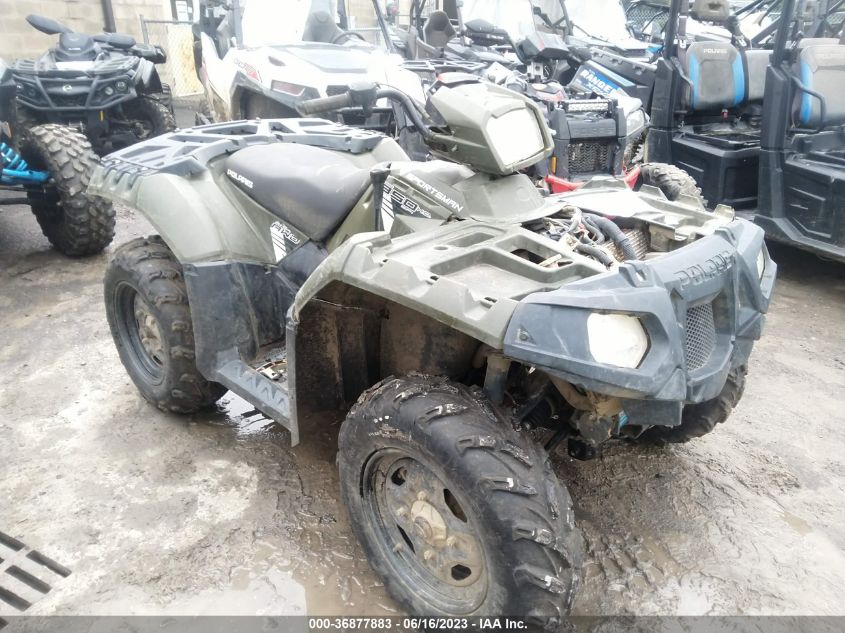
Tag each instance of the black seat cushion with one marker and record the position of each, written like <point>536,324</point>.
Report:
<point>313,189</point>
<point>756,66</point>
<point>75,47</point>
<point>438,29</point>
<point>821,68</point>
<point>320,27</point>
<point>717,75</point>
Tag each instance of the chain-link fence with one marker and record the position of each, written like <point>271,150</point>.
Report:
<point>177,40</point>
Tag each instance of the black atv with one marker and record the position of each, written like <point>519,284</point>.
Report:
<point>49,170</point>
<point>105,85</point>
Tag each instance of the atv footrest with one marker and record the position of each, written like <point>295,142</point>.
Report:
<point>270,396</point>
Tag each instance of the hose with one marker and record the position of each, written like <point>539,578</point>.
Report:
<point>596,253</point>
<point>615,233</point>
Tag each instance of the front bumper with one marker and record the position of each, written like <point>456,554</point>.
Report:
<point>702,307</point>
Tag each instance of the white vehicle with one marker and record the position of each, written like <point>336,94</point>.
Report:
<point>261,58</point>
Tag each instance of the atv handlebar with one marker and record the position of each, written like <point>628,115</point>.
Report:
<point>325,104</point>
<point>365,96</point>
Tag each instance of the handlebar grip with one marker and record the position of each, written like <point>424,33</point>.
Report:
<point>325,104</point>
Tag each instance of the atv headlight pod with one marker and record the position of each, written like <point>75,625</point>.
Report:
<point>488,127</point>
<point>515,136</point>
<point>617,339</point>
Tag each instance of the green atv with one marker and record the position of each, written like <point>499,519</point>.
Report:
<point>470,322</point>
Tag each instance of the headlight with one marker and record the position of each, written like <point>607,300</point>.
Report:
<point>515,136</point>
<point>634,122</point>
<point>121,86</point>
<point>294,90</point>
<point>617,339</point>
<point>108,90</point>
<point>761,263</point>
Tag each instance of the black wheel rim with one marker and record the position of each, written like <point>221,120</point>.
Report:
<point>423,528</point>
<point>140,333</point>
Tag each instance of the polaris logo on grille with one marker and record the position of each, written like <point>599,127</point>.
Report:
<point>246,182</point>
<point>700,273</point>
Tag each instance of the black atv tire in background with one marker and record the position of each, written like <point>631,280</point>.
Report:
<point>153,116</point>
<point>150,321</point>
<point>700,419</point>
<point>25,120</point>
<point>458,513</point>
<point>672,181</point>
<point>74,222</point>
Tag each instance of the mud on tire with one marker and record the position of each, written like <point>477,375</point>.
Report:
<point>74,222</point>
<point>671,180</point>
<point>700,419</point>
<point>486,479</point>
<point>150,321</point>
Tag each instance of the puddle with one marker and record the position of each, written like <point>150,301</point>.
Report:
<point>236,413</point>
<point>796,523</point>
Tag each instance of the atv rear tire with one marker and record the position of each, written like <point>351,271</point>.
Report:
<point>458,513</point>
<point>75,222</point>
<point>700,419</point>
<point>157,116</point>
<point>150,321</point>
<point>671,180</point>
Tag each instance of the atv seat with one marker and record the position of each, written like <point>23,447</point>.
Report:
<point>75,47</point>
<point>821,68</point>
<point>311,188</point>
<point>320,27</point>
<point>717,77</point>
<point>438,29</point>
<point>756,66</point>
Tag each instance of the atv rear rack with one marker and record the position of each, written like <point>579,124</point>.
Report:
<point>188,152</point>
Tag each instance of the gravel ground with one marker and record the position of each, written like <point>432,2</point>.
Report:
<point>215,514</point>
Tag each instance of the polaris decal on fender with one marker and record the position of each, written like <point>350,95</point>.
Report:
<point>284,240</point>
<point>246,182</point>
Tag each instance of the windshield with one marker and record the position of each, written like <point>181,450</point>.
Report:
<point>515,16</point>
<point>279,22</point>
<point>602,19</point>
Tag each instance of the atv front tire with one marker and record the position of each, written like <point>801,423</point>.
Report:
<point>700,419</point>
<point>458,513</point>
<point>155,116</point>
<point>150,321</point>
<point>671,180</point>
<point>74,222</point>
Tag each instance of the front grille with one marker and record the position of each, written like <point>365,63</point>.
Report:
<point>700,336</point>
<point>588,157</point>
<point>70,101</point>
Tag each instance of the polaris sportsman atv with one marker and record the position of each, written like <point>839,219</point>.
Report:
<point>49,170</point>
<point>105,86</point>
<point>262,58</point>
<point>760,130</point>
<point>307,266</point>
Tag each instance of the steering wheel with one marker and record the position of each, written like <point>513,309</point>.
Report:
<point>348,34</point>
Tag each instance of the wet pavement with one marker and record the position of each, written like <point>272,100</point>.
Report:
<point>216,514</point>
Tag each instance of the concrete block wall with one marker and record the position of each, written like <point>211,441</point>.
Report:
<point>18,39</point>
